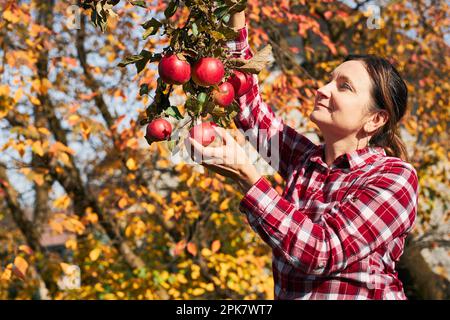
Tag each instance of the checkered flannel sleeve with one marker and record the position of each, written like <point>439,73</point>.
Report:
<point>276,142</point>
<point>383,208</point>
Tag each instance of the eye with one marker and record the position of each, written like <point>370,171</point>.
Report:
<point>345,85</point>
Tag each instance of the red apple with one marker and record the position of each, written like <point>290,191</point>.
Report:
<point>208,72</point>
<point>173,70</point>
<point>225,95</point>
<point>158,130</point>
<point>242,82</point>
<point>203,133</point>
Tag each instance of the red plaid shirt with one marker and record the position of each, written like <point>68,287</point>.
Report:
<point>336,232</point>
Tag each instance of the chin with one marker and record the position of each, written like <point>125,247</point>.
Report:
<point>315,118</point>
<point>320,123</point>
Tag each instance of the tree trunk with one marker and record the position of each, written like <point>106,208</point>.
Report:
<point>418,277</point>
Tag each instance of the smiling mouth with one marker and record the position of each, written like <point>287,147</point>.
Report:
<point>319,104</point>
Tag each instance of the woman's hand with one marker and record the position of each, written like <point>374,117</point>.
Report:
<point>228,159</point>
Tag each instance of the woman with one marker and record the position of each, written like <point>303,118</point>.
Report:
<point>340,225</point>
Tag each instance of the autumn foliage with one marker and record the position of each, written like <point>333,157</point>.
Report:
<point>75,164</point>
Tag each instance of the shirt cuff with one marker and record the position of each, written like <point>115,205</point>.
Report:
<point>242,33</point>
<point>260,197</point>
<point>239,46</point>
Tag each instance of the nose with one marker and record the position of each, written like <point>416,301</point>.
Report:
<point>323,92</point>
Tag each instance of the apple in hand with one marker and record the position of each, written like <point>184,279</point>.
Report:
<point>203,133</point>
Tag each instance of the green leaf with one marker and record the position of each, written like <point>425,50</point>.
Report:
<point>228,32</point>
<point>218,35</point>
<point>202,97</point>
<point>194,29</point>
<point>151,27</point>
<point>144,89</point>
<point>140,60</point>
<point>171,8</point>
<point>174,112</point>
<point>226,18</point>
<point>240,6</point>
<point>192,104</point>
<point>130,59</point>
<point>220,12</point>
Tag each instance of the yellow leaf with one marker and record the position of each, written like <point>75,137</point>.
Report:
<point>20,267</point>
<point>56,226</point>
<point>71,244</point>
<point>10,16</point>
<point>73,225</point>
<point>45,85</point>
<point>210,287</point>
<point>198,291</point>
<point>94,254</point>
<point>18,95</point>
<point>169,213</point>
<point>44,131</point>
<point>64,158</point>
<point>215,246</point>
<point>6,275</point>
<point>73,119</point>
<point>131,164</point>
<point>181,278</point>
<point>110,296</point>
<point>122,203</point>
<point>26,249</point>
<point>128,231</point>
<point>91,216</point>
<point>36,85</point>
<point>37,148</point>
<point>4,90</point>
<point>65,267</point>
<point>195,271</point>
<point>62,202</point>
<point>206,252</point>
<point>35,100</point>
<point>39,179</point>
<point>20,148</point>
<point>190,181</point>
<point>215,196</point>
<point>85,130</point>
<point>150,208</point>
<point>224,205</point>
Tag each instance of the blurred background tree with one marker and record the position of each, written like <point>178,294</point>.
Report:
<point>79,186</point>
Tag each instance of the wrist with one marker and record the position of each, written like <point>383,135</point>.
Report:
<point>237,20</point>
<point>249,176</point>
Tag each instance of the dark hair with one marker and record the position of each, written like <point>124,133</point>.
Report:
<point>389,92</point>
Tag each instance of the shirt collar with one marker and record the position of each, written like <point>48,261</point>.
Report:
<point>351,160</point>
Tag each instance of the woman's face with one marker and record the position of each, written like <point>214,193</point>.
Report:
<point>342,105</point>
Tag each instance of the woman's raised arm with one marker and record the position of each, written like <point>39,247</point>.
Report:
<point>276,142</point>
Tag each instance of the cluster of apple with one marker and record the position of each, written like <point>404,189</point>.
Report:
<point>174,69</point>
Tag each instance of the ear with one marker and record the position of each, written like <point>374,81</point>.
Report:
<point>376,120</point>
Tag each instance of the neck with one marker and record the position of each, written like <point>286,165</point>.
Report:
<point>338,147</point>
